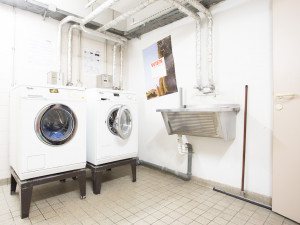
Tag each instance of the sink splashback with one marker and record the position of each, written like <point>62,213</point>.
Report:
<point>216,121</point>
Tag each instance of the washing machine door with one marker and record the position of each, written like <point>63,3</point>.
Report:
<point>55,124</point>
<point>120,121</point>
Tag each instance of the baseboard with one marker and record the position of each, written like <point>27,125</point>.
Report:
<point>266,200</point>
<point>4,181</point>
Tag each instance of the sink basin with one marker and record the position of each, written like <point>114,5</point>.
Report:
<point>215,120</point>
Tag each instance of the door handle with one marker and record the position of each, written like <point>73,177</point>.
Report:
<point>285,95</point>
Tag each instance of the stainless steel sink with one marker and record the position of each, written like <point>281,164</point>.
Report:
<point>215,120</point>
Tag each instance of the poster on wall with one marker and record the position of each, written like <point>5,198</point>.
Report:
<point>91,62</point>
<point>159,69</point>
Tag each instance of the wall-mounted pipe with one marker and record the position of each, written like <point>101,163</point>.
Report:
<point>210,87</point>
<point>198,55</point>
<point>197,18</point>
<point>86,30</point>
<point>121,66</point>
<point>181,139</point>
<point>181,144</point>
<point>90,32</point>
<point>180,92</point>
<point>70,36</point>
<point>114,66</point>
<point>61,24</point>
<point>126,15</point>
<point>79,82</point>
<point>82,22</point>
<point>183,176</point>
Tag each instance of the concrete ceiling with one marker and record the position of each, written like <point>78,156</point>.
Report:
<point>154,16</point>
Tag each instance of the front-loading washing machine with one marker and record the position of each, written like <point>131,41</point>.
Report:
<point>47,130</point>
<point>112,125</point>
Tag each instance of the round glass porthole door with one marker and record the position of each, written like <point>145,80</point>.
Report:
<point>55,124</point>
<point>119,122</point>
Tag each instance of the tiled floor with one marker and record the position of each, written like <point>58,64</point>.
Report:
<point>156,198</point>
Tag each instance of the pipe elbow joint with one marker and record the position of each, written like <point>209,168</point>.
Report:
<point>210,88</point>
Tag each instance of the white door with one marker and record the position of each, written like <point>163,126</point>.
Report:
<point>286,135</point>
<point>55,124</point>
<point>119,121</point>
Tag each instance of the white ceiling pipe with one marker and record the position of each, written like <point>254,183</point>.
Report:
<point>101,35</point>
<point>62,22</point>
<point>90,3</point>
<point>126,15</point>
<point>98,10</point>
<point>208,15</point>
<point>196,17</point>
<point>115,36</point>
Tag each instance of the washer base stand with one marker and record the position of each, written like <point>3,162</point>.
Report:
<point>26,186</point>
<point>97,171</point>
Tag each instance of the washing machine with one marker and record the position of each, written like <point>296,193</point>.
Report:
<point>47,130</point>
<point>112,125</point>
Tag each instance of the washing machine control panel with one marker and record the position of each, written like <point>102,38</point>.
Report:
<point>115,96</point>
<point>44,93</point>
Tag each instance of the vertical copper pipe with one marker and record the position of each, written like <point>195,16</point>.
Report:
<point>244,139</point>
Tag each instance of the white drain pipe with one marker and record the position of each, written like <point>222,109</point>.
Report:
<point>197,18</point>
<point>181,139</point>
<point>114,67</point>
<point>79,82</point>
<point>61,24</point>
<point>182,144</point>
<point>121,67</point>
<point>82,22</point>
<point>210,87</point>
<point>89,32</point>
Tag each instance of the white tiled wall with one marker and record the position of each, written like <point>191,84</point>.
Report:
<point>6,61</point>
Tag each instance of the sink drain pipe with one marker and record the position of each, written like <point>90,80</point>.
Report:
<point>183,176</point>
